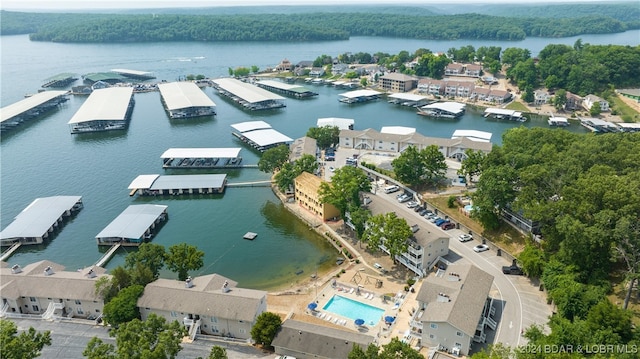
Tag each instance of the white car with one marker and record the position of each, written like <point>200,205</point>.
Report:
<point>412,204</point>
<point>404,198</point>
<point>465,237</point>
<point>481,248</point>
<point>331,168</point>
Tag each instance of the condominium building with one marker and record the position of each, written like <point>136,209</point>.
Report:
<point>397,82</point>
<point>306,196</point>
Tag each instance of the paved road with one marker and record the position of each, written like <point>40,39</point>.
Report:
<point>518,302</point>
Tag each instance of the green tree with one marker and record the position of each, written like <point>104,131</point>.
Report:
<point>435,165</point>
<point>344,189</point>
<point>182,258</point>
<point>513,55</point>
<point>27,344</point>
<point>306,163</point>
<point>472,164</point>
<point>285,176</point>
<point>356,352</point>
<point>495,351</point>
<point>149,255</point>
<point>255,69</point>
<point>325,136</point>
<point>388,230</point>
<point>218,352</point>
<point>230,71</point>
<point>410,166</point>
<point>595,109</point>
<point>397,349</point>
<point>364,82</point>
<point>532,260</point>
<point>124,306</point>
<point>528,95</point>
<point>266,327</point>
<point>105,288</point>
<point>273,158</point>
<point>359,217</point>
<point>560,99</point>
<point>241,72</point>
<point>152,338</point>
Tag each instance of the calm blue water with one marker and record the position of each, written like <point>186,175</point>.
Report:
<point>42,158</point>
<point>353,309</point>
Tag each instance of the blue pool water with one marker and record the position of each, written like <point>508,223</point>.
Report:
<point>353,309</point>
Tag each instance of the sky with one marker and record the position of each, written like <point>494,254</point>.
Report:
<point>143,4</point>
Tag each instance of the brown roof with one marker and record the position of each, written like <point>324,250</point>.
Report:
<point>474,67</point>
<point>303,146</point>
<point>398,76</point>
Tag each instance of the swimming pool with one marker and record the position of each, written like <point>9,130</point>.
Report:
<point>353,309</point>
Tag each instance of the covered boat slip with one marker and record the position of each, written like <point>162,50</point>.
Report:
<point>474,135</point>
<point>249,96</point>
<point>60,80</point>
<point>38,220</point>
<point>133,226</point>
<point>201,158</point>
<point>443,109</point>
<point>32,106</point>
<point>135,74</point>
<point>105,109</point>
<point>504,114</point>
<point>341,123</point>
<point>156,185</point>
<point>408,99</point>
<point>287,89</point>
<point>359,96</point>
<point>185,100</point>
<point>260,135</point>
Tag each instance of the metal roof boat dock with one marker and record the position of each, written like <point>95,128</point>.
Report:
<point>359,96</point>
<point>60,80</point>
<point>135,225</point>
<point>558,121</point>
<point>629,127</point>
<point>201,158</point>
<point>249,96</point>
<point>443,110</point>
<point>598,125</point>
<point>30,107</point>
<point>109,77</point>
<point>186,99</point>
<point>408,99</point>
<point>259,135</point>
<point>135,74</point>
<point>287,89</point>
<point>501,113</point>
<point>341,123</point>
<point>178,184</point>
<point>474,135</point>
<point>105,109</point>
<point>39,219</point>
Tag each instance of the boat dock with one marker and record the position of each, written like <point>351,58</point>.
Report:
<point>341,123</point>
<point>359,96</point>
<point>135,74</point>
<point>156,185</point>
<point>408,99</point>
<point>259,135</point>
<point>186,100</point>
<point>286,89</point>
<point>598,125</point>
<point>107,256</point>
<point>247,95</point>
<point>557,121</point>
<point>504,114</point>
<point>134,226</point>
<point>205,158</point>
<point>15,114</point>
<point>105,109</point>
<point>450,110</point>
<point>60,80</point>
<point>6,254</point>
<point>266,183</point>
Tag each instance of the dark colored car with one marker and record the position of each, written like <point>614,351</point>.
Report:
<point>515,270</point>
<point>418,209</point>
<point>447,226</point>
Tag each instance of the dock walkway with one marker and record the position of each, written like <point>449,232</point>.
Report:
<point>266,183</point>
<point>107,256</point>
<point>10,251</point>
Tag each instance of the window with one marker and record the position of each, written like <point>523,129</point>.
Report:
<point>459,334</point>
<point>214,320</point>
<point>33,299</point>
<point>79,310</point>
<point>78,302</point>
<point>458,345</point>
<point>97,310</point>
<point>431,336</point>
<point>434,326</point>
<point>36,308</point>
<point>174,314</point>
<point>214,329</point>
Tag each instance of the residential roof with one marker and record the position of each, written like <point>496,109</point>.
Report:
<point>317,340</point>
<point>341,123</point>
<point>22,106</point>
<point>360,93</point>
<point>266,137</point>
<point>396,76</point>
<point>201,153</point>
<point>133,222</point>
<point>308,179</point>
<point>181,95</point>
<point>473,135</point>
<point>303,146</point>
<point>248,92</point>
<point>417,139</point>
<point>243,127</point>
<point>108,104</point>
<point>205,297</point>
<point>36,219</point>
<point>466,290</point>
<point>398,130</point>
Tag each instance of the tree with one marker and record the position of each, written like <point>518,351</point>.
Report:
<point>595,109</point>
<point>513,55</point>
<point>241,72</point>
<point>389,230</point>
<point>218,352</point>
<point>124,306</point>
<point>410,166</point>
<point>152,338</point>
<point>306,163</point>
<point>286,176</point>
<point>392,350</point>
<point>359,217</point>
<point>255,69</point>
<point>344,190</point>
<point>532,260</point>
<point>325,136</point>
<point>149,255</point>
<point>435,164</point>
<point>266,327</point>
<point>627,234</point>
<point>184,257</point>
<point>472,164</point>
<point>560,99</point>
<point>27,344</point>
<point>528,96</point>
<point>273,158</point>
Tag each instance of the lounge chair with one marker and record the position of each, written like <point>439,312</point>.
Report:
<point>372,296</point>
<point>322,315</point>
<point>336,321</point>
<point>352,290</point>
<point>344,322</point>
<point>329,318</point>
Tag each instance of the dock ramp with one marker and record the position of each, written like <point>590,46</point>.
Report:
<point>107,256</point>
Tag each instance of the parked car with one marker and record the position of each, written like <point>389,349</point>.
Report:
<point>404,198</point>
<point>434,219</point>
<point>465,237</point>
<point>331,169</point>
<point>415,228</point>
<point>412,204</point>
<point>429,216</point>
<point>481,248</point>
<point>515,270</point>
<point>440,222</point>
<point>422,212</point>
<point>418,209</point>
<point>447,226</point>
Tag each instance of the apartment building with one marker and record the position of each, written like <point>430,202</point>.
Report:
<point>306,196</point>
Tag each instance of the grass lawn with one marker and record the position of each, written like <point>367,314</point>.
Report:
<point>624,110</point>
<point>517,106</point>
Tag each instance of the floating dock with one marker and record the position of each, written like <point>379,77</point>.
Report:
<point>105,110</point>
<point>108,77</point>
<point>134,226</point>
<point>450,110</point>
<point>286,89</point>
<point>6,254</point>
<point>15,114</point>
<point>359,96</point>
<point>408,99</point>
<point>259,135</point>
<point>40,219</point>
<point>247,95</point>
<point>135,74</point>
<point>186,100</point>
<point>598,125</point>
<point>206,158</point>
<point>250,236</point>
<point>558,121</point>
<point>107,256</point>
<point>504,114</point>
<point>156,185</point>
<point>60,80</point>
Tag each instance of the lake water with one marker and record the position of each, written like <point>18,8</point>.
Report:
<point>42,158</point>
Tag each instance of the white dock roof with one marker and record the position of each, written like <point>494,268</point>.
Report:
<point>629,126</point>
<point>143,181</point>
<point>341,123</point>
<point>39,216</point>
<point>132,72</point>
<point>22,106</point>
<point>103,105</point>
<point>453,107</point>
<point>201,153</point>
<point>179,95</point>
<point>133,222</point>
<point>243,127</point>
<point>408,97</point>
<point>189,181</point>
<point>280,85</point>
<point>267,137</point>
<point>245,91</point>
<point>398,130</point>
<point>360,93</point>
<point>503,111</point>
<point>473,135</point>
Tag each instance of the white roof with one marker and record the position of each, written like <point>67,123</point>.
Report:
<point>266,137</point>
<point>597,122</point>
<point>280,85</point>
<point>179,95</point>
<point>245,91</point>
<point>558,119</point>
<point>243,127</point>
<point>28,103</point>
<point>133,222</point>
<point>143,181</point>
<point>502,111</point>
<point>189,181</point>
<point>201,153</point>
<point>38,217</point>
<point>132,72</point>
<point>108,104</point>
<point>453,107</point>
<point>473,135</point>
<point>398,130</point>
<point>360,93</point>
<point>338,83</point>
<point>627,125</point>
<point>408,96</point>
<point>341,123</point>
